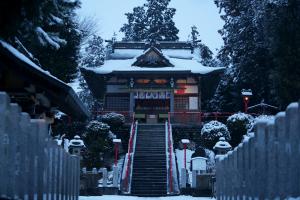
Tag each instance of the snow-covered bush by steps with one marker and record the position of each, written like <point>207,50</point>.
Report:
<point>114,120</point>
<point>96,126</point>
<point>212,131</point>
<point>238,125</point>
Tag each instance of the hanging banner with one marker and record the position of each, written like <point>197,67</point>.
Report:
<point>152,95</point>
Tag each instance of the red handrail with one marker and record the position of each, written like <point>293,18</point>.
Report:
<point>170,160</point>
<point>198,117</point>
<point>130,147</point>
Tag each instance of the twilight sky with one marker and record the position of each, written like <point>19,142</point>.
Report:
<point>202,13</point>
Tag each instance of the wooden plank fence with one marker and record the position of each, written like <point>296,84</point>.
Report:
<point>267,166</point>
<point>32,165</point>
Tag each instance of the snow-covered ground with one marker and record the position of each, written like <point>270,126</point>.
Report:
<point>114,197</point>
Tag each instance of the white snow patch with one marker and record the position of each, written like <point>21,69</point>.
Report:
<point>26,59</point>
<point>131,53</point>
<point>178,53</point>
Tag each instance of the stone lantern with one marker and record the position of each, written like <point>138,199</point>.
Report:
<point>222,146</point>
<point>76,145</point>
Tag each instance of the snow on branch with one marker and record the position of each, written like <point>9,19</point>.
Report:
<point>49,39</point>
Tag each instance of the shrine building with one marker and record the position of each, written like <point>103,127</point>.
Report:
<point>151,80</point>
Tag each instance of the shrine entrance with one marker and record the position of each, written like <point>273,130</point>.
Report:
<point>152,106</point>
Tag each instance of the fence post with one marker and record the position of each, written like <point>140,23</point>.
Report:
<point>283,160</point>
<point>65,175</point>
<point>219,171</point>
<point>260,180</point>
<point>252,165</point>
<point>24,129</point>
<point>292,134</point>
<point>41,133</point>
<point>246,168</point>
<point>272,161</point>
<point>240,164</point>
<point>4,109</point>
<point>13,159</point>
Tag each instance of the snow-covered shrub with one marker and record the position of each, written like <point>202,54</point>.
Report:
<point>98,139</point>
<point>250,131</point>
<point>114,120</point>
<point>212,131</point>
<point>238,125</point>
<point>97,127</point>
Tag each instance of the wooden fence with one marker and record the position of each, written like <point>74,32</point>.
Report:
<point>32,165</point>
<point>267,166</point>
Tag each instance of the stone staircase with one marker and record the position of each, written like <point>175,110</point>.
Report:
<point>149,176</point>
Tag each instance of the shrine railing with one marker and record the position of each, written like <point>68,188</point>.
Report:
<point>196,118</point>
<point>172,180</point>
<point>127,171</point>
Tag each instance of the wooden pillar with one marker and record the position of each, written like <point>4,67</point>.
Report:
<point>199,94</point>
<point>132,102</point>
<point>172,101</point>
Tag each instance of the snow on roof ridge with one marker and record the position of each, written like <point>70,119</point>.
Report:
<point>25,59</point>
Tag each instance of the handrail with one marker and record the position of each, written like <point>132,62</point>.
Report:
<point>170,164</point>
<point>131,145</point>
<point>195,117</point>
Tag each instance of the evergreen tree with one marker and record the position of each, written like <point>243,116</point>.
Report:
<point>94,54</point>
<point>48,29</point>
<point>152,21</point>
<point>245,51</point>
<point>203,51</point>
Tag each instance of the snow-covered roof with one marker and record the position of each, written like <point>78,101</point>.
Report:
<point>67,101</point>
<point>181,60</point>
<point>132,53</point>
<point>180,65</point>
<point>25,59</point>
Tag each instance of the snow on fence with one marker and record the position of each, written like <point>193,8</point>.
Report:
<point>32,165</point>
<point>267,165</point>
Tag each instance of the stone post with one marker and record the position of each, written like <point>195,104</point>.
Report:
<point>104,175</point>
<point>194,179</point>
<point>115,176</point>
<point>183,178</point>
